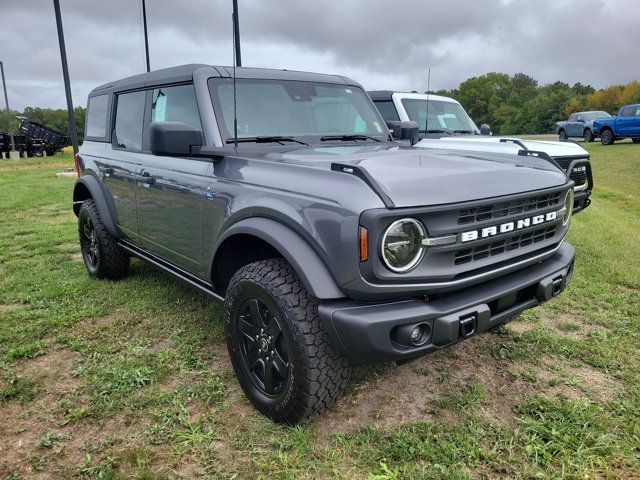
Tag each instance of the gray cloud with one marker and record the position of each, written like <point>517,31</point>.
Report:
<point>381,44</point>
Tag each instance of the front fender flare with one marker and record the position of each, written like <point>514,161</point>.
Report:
<point>105,206</point>
<point>308,265</point>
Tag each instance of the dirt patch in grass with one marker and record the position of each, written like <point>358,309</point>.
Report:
<point>572,326</point>
<point>11,307</point>
<point>92,325</point>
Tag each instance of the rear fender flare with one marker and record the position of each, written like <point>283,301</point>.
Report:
<point>105,205</point>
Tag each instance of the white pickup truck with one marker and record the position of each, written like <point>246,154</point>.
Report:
<point>443,124</point>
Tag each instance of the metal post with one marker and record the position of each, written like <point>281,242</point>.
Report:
<point>236,34</point>
<point>6,101</point>
<point>146,37</point>
<point>65,74</point>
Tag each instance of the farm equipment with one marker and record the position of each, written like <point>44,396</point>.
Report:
<point>40,138</point>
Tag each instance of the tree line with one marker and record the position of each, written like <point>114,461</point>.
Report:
<point>518,104</point>
<point>511,105</point>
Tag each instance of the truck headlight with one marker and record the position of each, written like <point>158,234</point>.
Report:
<point>402,246</point>
<point>568,207</point>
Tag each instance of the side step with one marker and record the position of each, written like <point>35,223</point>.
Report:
<point>168,267</point>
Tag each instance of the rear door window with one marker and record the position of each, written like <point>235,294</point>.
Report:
<point>97,116</point>
<point>129,120</point>
<point>388,110</point>
<point>176,104</point>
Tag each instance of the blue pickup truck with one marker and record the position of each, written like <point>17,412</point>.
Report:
<point>624,125</point>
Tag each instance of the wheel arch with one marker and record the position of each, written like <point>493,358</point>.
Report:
<point>258,238</point>
<point>88,187</point>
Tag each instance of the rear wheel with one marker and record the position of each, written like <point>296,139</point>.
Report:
<point>100,251</point>
<point>606,137</point>
<point>284,360</point>
<point>588,135</point>
<point>563,135</point>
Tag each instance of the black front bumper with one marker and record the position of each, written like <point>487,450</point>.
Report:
<point>379,331</point>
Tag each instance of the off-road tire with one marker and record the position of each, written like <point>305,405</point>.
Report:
<point>317,373</point>
<point>562,135</point>
<point>588,135</point>
<point>606,137</point>
<point>635,140</point>
<point>107,260</point>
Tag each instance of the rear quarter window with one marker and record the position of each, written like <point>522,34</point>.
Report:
<point>97,117</point>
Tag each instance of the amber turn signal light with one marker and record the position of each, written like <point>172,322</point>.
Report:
<point>364,244</point>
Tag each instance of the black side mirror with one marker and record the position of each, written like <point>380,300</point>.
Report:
<point>174,138</point>
<point>485,129</point>
<point>405,131</point>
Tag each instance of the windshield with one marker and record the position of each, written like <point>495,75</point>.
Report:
<point>441,115</point>
<point>593,115</point>
<point>295,109</point>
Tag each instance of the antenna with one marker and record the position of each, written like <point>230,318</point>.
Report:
<point>426,120</point>
<point>146,37</point>
<point>236,34</point>
<point>236,62</point>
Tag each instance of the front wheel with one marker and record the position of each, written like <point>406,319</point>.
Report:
<point>588,136</point>
<point>636,140</point>
<point>283,358</point>
<point>562,135</point>
<point>606,137</point>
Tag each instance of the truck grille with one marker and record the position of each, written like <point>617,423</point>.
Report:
<point>579,173</point>
<point>514,207</point>
<point>505,245</point>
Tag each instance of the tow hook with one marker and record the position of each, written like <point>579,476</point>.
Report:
<point>557,286</point>
<point>468,326</point>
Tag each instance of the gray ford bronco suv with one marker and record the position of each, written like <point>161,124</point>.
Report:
<point>282,194</point>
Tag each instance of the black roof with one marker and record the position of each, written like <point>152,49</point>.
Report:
<point>380,94</point>
<point>184,73</point>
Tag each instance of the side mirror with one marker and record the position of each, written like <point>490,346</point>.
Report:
<point>485,129</point>
<point>405,131</point>
<point>174,138</point>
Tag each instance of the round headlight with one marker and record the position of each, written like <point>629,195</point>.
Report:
<point>568,207</point>
<point>402,247</point>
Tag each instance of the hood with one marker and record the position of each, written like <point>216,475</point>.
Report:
<point>413,177</point>
<point>555,149</point>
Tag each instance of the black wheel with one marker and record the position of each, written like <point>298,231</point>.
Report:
<point>588,135</point>
<point>635,140</point>
<point>101,254</point>
<point>37,153</point>
<point>563,135</point>
<point>284,360</point>
<point>606,137</point>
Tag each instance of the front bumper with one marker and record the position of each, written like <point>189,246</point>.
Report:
<point>377,331</point>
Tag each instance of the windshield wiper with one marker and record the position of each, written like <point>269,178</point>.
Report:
<point>348,137</point>
<point>464,131</point>
<point>436,130</point>
<point>266,139</point>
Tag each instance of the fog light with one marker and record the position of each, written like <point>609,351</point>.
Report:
<point>416,333</point>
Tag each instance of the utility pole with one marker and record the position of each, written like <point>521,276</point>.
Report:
<point>67,82</point>
<point>146,37</point>
<point>236,34</point>
<point>12,154</point>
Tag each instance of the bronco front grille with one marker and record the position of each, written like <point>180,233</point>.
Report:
<point>505,245</point>
<point>579,175</point>
<point>514,207</point>
<point>564,162</point>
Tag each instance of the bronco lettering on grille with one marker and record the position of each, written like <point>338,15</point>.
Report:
<point>508,227</point>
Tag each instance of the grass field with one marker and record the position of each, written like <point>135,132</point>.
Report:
<point>131,379</point>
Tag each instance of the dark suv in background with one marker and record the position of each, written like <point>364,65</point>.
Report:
<point>282,194</point>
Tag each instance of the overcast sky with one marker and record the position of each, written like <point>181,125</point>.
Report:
<point>382,44</point>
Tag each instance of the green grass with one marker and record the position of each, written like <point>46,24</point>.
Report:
<point>130,379</point>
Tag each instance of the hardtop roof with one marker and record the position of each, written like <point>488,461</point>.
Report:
<point>184,73</point>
